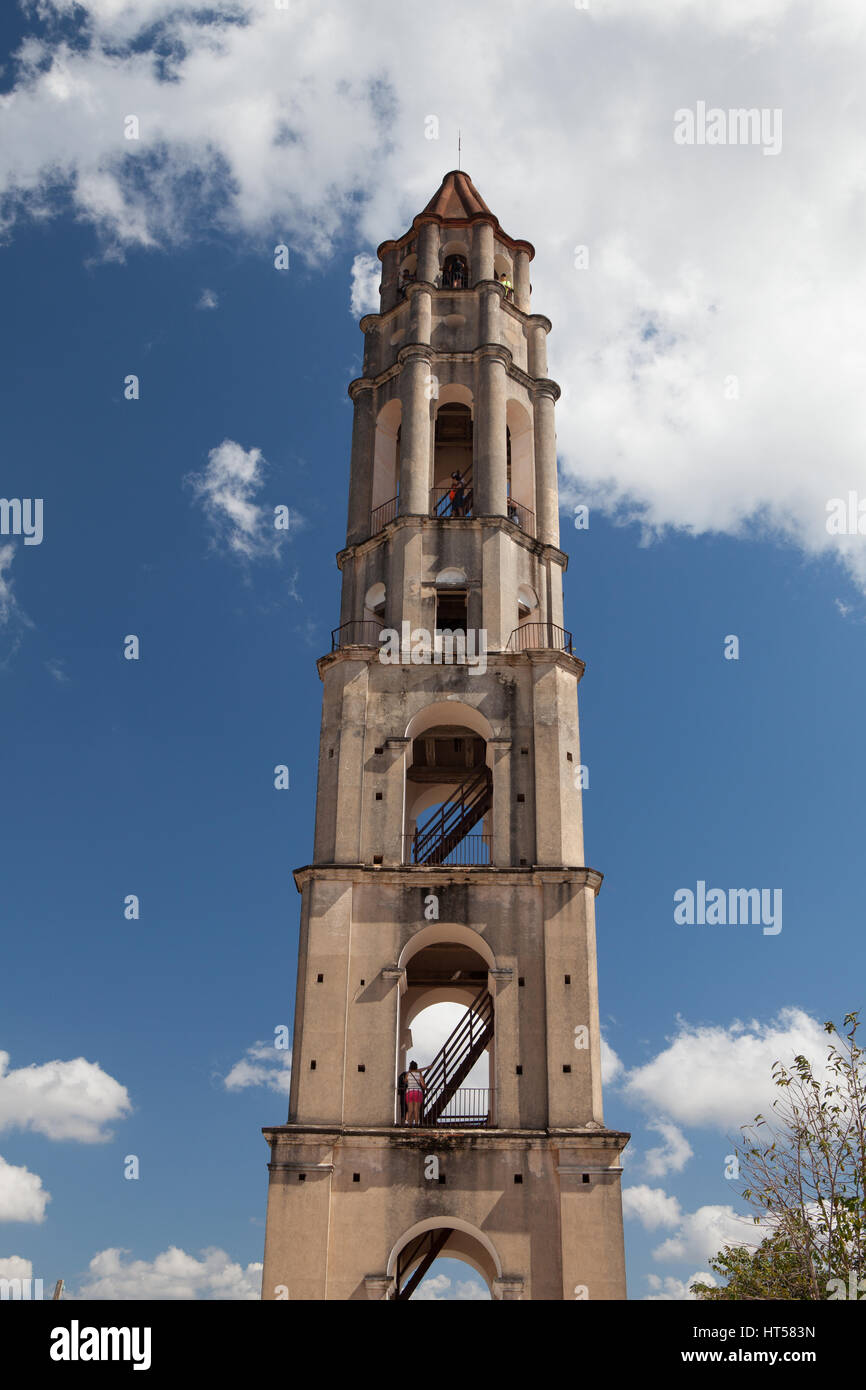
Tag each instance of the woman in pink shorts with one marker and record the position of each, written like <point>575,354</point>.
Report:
<point>414,1093</point>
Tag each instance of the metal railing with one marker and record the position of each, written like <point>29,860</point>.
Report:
<point>469,1105</point>
<point>363,633</point>
<point>380,516</point>
<point>521,516</point>
<point>442,506</point>
<point>540,637</point>
<point>473,852</point>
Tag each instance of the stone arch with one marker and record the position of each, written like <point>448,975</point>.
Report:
<point>522,462</point>
<point>468,1244</point>
<point>449,712</point>
<point>440,933</point>
<point>454,574</point>
<point>374,602</point>
<point>386,453</point>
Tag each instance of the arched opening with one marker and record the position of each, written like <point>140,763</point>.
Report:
<point>521,468</point>
<point>446,1237</point>
<point>454,260</point>
<point>446,1035</point>
<point>407,273</point>
<point>448,797</point>
<point>374,603</point>
<point>504,273</point>
<point>452,453</point>
<point>386,466</point>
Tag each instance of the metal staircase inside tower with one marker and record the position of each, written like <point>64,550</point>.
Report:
<point>453,1063</point>
<point>465,807</point>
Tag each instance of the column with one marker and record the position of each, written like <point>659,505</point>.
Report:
<point>488,328</point>
<point>521,280</point>
<point>501,769</point>
<point>482,253</point>
<point>428,252</point>
<point>546,489</point>
<point>361,470</point>
<point>420,314</point>
<point>491,471</point>
<point>415,389</point>
<point>537,331</point>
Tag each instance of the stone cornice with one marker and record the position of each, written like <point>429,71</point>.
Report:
<point>535,658</point>
<point>533,384</point>
<point>542,549</point>
<point>580,876</point>
<point>566,1140</point>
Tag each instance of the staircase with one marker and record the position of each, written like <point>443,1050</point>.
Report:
<point>432,1243</point>
<point>454,819</point>
<point>452,1065</point>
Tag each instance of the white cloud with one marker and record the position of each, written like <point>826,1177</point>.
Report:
<point>226,490</point>
<point>208,299</point>
<point>22,1197</point>
<point>13,619</point>
<point>430,1030</point>
<point>15,1267</point>
<point>651,1206</point>
<point>721,1077</point>
<point>55,668</point>
<point>261,1065</point>
<point>669,1288</point>
<point>365,285</point>
<point>439,1288</point>
<point>673,1155</point>
<point>172,1275</point>
<point>702,1234</point>
<point>63,1100</point>
<point>611,1066</point>
<point>706,264</point>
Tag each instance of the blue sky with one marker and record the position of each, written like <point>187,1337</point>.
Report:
<point>155,777</point>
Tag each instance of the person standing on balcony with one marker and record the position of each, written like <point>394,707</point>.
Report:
<point>414,1093</point>
<point>401,1095</point>
<point>456,495</point>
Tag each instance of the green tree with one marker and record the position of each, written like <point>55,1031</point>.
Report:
<point>805,1176</point>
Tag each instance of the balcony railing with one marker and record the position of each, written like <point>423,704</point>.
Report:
<point>521,516</point>
<point>364,633</point>
<point>473,852</point>
<point>540,637</point>
<point>380,516</point>
<point>442,506</point>
<point>470,1105</point>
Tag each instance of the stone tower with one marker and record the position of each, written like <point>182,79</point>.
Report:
<point>448,862</point>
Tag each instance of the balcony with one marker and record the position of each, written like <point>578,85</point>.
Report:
<point>468,1106</point>
<point>532,637</point>
<point>521,516</point>
<point>442,506</point>
<point>380,516</point>
<point>364,633</point>
<point>472,852</point>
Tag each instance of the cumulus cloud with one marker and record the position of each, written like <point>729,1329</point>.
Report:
<point>261,1065</point>
<point>710,344</point>
<point>208,299</point>
<point>63,1100</point>
<point>14,1267</point>
<point>701,1234</point>
<point>174,1274</point>
<point>651,1206</point>
<point>673,1155</point>
<point>720,1076</point>
<point>226,490</point>
<point>22,1197</point>
<point>364,298</point>
<point>611,1066</point>
<point>439,1288</point>
<point>669,1288</point>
